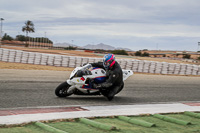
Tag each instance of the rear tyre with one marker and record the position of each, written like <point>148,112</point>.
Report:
<point>61,90</point>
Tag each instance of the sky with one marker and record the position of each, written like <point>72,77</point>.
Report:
<point>134,24</point>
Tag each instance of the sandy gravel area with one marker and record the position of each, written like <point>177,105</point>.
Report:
<point>9,65</point>
<point>61,52</point>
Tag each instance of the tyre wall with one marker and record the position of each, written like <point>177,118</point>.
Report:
<point>18,56</point>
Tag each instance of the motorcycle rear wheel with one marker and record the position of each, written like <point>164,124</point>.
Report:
<point>61,90</point>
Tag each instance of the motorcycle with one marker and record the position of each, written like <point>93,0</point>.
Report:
<point>81,81</point>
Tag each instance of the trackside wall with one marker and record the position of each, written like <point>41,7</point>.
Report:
<point>9,55</point>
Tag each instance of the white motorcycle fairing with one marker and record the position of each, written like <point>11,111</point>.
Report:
<point>81,82</point>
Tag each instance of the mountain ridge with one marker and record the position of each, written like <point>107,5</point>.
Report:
<point>93,46</point>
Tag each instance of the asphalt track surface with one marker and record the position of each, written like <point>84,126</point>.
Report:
<point>35,88</point>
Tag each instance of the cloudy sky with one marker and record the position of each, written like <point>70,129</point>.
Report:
<point>134,24</point>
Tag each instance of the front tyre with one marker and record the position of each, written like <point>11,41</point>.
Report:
<point>61,90</point>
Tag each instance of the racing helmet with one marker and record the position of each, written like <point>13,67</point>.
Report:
<point>108,61</point>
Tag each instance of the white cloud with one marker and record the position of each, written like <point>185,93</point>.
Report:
<point>131,23</point>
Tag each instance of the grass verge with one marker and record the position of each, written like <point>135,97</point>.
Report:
<point>76,126</point>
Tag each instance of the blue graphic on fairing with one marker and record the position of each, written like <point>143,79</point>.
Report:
<point>99,80</point>
<point>95,68</point>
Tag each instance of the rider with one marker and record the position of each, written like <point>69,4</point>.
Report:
<point>114,76</point>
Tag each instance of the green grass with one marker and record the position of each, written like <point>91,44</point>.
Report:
<point>31,128</point>
<point>78,127</point>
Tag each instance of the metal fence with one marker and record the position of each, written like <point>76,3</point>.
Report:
<point>19,56</point>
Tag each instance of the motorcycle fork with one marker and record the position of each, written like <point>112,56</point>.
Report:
<point>71,89</point>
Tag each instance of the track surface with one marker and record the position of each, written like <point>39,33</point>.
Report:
<point>33,88</point>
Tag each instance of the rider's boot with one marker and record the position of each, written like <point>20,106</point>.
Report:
<point>110,98</point>
<point>112,93</point>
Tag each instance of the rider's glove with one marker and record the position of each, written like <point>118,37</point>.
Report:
<point>84,64</point>
<point>96,86</point>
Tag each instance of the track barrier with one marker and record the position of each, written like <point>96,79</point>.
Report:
<point>196,115</point>
<point>136,122</point>
<point>18,56</point>
<point>173,120</point>
<point>97,124</point>
<point>48,128</point>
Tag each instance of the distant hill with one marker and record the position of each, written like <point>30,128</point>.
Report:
<point>104,47</point>
<point>92,47</point>
<point>65,44</point>
<point>99,46</point>
<point>127,49</point>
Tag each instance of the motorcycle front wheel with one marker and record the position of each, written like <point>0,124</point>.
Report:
<point>61,90</point>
